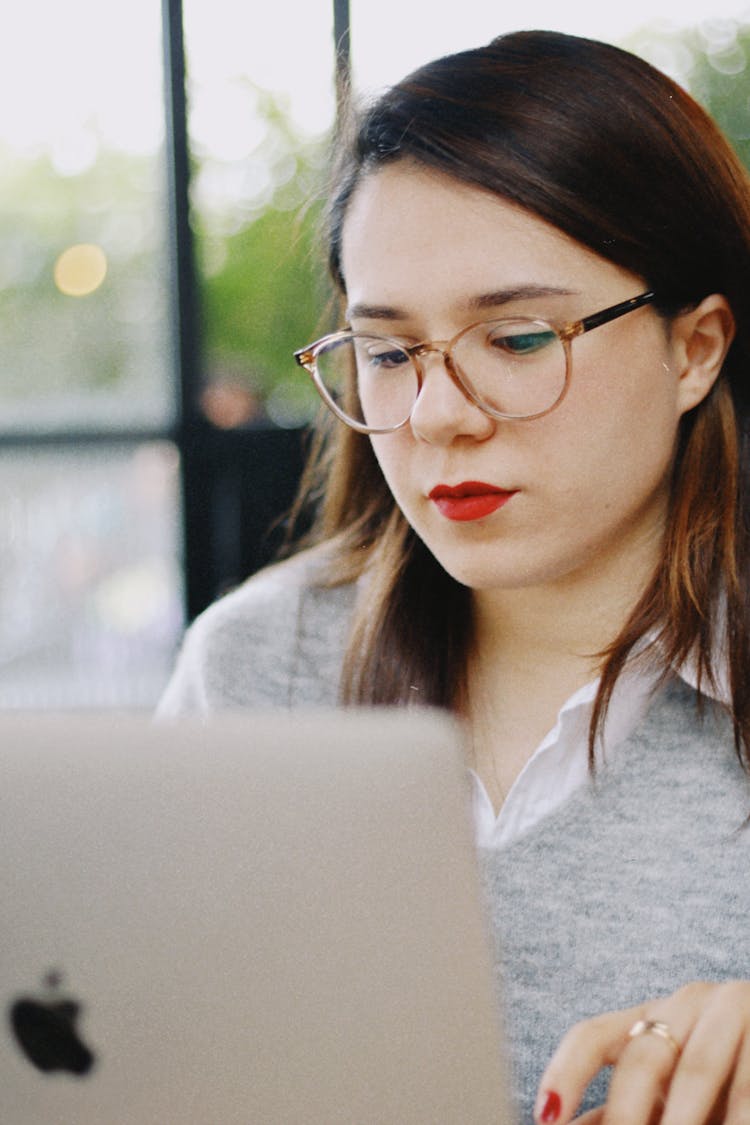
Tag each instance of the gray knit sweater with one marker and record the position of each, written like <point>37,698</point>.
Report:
<point>276,641</point>
<point>638,884</point>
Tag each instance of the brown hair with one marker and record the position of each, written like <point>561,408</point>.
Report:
<point>616,155</point>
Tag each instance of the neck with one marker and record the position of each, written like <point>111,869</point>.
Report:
<point>570,621</point>
<point>533,648</point>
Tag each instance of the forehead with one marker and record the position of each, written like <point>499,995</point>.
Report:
<point>412,235</point>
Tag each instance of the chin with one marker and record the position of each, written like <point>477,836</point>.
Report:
<point>492,568</point>
<point>476,576</point>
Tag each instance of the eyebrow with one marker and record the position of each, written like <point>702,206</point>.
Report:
<point>521,293</point>
<point>478,303</point>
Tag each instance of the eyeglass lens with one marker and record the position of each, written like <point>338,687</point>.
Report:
<point>513,368</point>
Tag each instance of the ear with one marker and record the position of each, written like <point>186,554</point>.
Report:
<point>700,342</point>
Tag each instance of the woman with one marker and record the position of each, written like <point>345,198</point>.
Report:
<point>535,514</point>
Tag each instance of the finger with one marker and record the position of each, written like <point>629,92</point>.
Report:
<point>602,1041</point>
<point>710,1056</point>
<point>591,1117</point>
<point>738,1100</point>
<point>596,1117</point>
<point>583,1051</point>
<point>648,1062</point>
<point>641,1078</point>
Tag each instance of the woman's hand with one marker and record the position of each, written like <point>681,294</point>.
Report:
<point>693,1068</point>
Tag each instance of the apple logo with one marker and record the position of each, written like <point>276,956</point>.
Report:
<point>44,1027</point>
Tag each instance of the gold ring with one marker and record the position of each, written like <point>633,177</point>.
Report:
<point>655,1027</point>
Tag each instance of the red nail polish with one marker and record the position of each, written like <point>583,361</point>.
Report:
<point>551,1108</point>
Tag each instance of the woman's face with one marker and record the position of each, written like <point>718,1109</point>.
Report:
<point>581,489</point>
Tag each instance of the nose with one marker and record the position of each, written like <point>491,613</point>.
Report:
<point>443,412</point>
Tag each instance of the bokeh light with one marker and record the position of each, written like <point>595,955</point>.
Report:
<point>80,269</point>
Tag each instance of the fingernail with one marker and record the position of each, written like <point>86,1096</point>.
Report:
<point>551,1108</point>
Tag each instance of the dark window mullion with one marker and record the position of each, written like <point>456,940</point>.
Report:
<point>206,455</point>
<point>78,439</point>
<point>192,435</point>
<point>342,48</point>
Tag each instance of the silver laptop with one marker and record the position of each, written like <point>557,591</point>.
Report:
<point>261,919</point>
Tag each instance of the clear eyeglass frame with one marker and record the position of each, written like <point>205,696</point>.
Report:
<point>307,358</point>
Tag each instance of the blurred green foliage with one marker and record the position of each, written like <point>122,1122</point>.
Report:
<point>712,61</point>
<point>68,360</point>
<point>720,80</point>
<point>266,297</point>
<point>263,282</point>
<point>264,302</point>
<point>264,288</point>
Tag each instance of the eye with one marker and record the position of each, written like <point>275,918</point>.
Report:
<point>381,355</point>
<point>518,341</point>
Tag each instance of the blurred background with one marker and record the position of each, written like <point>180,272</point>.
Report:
<point>159,264</point>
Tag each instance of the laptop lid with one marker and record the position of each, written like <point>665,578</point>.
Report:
<point>268,919</point>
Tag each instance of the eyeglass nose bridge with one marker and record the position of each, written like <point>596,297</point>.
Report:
<point>417,353</point>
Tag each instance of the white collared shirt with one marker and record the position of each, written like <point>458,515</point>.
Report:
<point>560,764</point>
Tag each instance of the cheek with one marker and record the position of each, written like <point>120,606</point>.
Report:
<point>631,406</point>
<point>391,453</point>
<point>396,458</point>
<point>607,452</point>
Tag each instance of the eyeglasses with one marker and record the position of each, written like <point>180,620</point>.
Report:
<point>513,368</point>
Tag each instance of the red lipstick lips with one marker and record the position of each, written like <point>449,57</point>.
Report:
<point>470,500</point>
